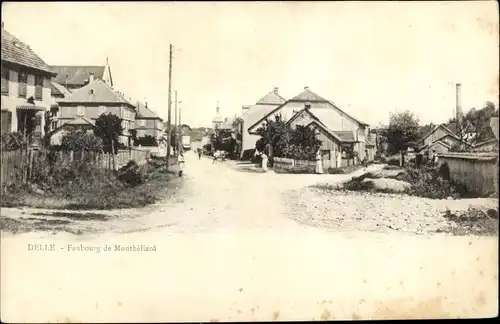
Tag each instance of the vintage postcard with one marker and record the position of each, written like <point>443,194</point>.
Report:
<point>249,161</point>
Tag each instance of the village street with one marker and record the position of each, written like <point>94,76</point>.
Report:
<point>236,244</point>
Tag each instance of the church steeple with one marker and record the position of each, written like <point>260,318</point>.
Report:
<point>107,74</point>
<point>217,120</point>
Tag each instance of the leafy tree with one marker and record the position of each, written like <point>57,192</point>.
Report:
<point>81,140</point>
<point>108,129</point>
<point>280,140</point>
<point>12,142</point>
<point>480,119</point>
<point>402,132</point>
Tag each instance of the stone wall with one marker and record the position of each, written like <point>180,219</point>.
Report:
<point>478,171</point>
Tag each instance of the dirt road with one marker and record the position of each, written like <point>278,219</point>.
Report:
<point>227,249</point>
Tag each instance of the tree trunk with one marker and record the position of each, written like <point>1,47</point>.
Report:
<point>113,154</point>
<point>401,159</point>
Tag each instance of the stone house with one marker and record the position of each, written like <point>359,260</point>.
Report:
<point>25,87</point>
<point>147,122</point>
<point>94,99</point>
<point>252,114</point>
<point>308,106</point>
<point>74,77</point>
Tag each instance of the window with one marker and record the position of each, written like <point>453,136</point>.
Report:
<point>22,79</point>
<point>38,87</point>
<point>102,110</point>
<point>6,121</point>
<point>5,81</point>
<point>79,111</point>
<point>142,122</point>
<point>54,124</point>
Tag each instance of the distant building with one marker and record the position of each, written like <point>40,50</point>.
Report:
<point>26,87</point>
<point>217,120</point>
<point>338,129</point>
<point>95,99</point>
<point>147,122</point>
<point>77,76</point>
<point>252,114</point>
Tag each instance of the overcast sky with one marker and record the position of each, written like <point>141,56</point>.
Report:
<point>369,58</point>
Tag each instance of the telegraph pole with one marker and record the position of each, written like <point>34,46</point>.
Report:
<point>169,124</point>
<point>176,127</point>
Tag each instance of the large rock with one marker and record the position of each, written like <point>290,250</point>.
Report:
<point>391,185</point>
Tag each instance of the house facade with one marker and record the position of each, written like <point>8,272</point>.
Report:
<point>441,139</point>
<point>147,122</point>
<point>302,107</point>
<point>252,114</point>
<point>74,77</point>
<point>95,99</point>
<point>25,88</point>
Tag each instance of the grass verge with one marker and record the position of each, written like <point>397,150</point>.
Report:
<point>98,189</point>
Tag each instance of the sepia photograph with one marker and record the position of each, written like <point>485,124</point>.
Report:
<point>241,161</point>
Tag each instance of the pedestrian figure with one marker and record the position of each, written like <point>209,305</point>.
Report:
<point>215,156</point>
<point>434,158</point>
<point>319,163</point>
<point>264,161</point>
<point>199,154</point>
<point>180,160</point>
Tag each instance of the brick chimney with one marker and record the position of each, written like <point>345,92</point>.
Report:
<point>91,77</point>
<point>458,108</point>
<point>276,90</point>
<point>306,88</point>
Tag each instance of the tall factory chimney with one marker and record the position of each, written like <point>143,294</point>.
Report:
<point>458,108</point>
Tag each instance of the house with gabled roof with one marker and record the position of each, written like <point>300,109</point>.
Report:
<point>148,122</point>
<point>94,99</point>
<point>252,114</point>
<point>25,88</point>
<point>308,106</point>
<point>440,139</point>
<point>76,76</point>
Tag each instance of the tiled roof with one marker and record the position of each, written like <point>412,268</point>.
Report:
<point>347,136</point>
<point>76,75</point>
<point>255,113</point>
<point>308,95</point>
<point>15,51</point>
<point>81,120</point>
<point>442,126</point>
<point>58,89</point>
<point>145,112</point>
<point>317,104</point>
<point>272,98</point>
<point>96,92</point>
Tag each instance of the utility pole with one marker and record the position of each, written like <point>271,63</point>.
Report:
<point>169,124</point>
<point>176,128</point>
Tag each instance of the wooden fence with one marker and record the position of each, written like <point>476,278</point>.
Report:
<point>17,166</point>
<point>284,165</point>
<point>478,171</point>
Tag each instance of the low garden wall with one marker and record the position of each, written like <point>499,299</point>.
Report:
<point>284,165</point>
<point>478,171</point>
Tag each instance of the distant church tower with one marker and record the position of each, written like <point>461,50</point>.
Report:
<point>217,120</point>
<point>106,77</point>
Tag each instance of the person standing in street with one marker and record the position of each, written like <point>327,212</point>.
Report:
<point>180,161</point>
<point>319,163</point>
<point>264,161</point>
<point>199,154</point>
